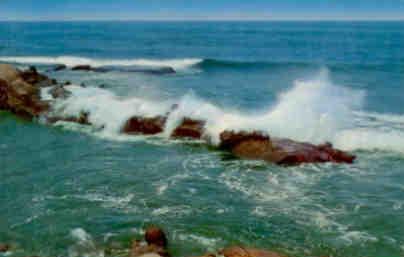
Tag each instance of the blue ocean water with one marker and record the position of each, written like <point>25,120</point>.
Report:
<point>69,190</point>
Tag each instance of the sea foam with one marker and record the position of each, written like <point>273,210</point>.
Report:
<point>314,110</point>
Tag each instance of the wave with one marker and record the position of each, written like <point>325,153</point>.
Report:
<point>314,110</point>
<point>70,61</point>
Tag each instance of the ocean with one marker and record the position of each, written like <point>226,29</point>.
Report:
<point>72,190</point>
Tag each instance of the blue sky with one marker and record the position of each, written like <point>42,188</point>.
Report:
<point>201,9</point>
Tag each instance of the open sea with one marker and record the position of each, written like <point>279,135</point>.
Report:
<point>70,190</point>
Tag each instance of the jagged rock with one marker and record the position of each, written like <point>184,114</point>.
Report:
<point>238,251</point>
<point>4,248</point>
<point>31,76</point>
<point>17,95</point>
<point>145,126</point>
<point>59,92</point>
<point>189,128</point>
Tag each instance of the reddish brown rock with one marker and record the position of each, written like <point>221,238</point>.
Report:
<point>145,126</point>
<point>156,236</point>
<point>189,128</point>
<point>238,251</point>
<point>254,145</point>
<point>4,248</point>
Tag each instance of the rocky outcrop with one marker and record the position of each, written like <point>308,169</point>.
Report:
<point>144,125</point>
<point>155,244</point>
<point>255,145</point>
<point>19,96</point>
<point>189,128</point>
<point>33,77</point>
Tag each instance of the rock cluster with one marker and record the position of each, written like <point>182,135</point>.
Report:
<point>20,94</point>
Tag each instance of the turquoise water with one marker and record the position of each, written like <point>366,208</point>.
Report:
<point>67,190</point>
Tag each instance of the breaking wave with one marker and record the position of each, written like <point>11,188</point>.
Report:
<point>70,61</point>
<point>314,110</point>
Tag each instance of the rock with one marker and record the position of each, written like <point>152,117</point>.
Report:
<point>67,83</point>
<point>294,153</point>
<point>156,236</point>
<point>81,119</point>
<point>8,73</point>
<point>145,126</point>
<point>59,67</point>
<point>4,248</point>
<point>238,251</point>
<point>59,92</point>
<point>31,76</point>
<point>248,145</point>
<point>82,67</point>
<point>141,249</point>
<point>83,85</point>
<point>256,146</point>
<point>189,128</point>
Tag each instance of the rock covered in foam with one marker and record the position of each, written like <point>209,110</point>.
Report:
<point>189,128</point>
<point>144,125</point>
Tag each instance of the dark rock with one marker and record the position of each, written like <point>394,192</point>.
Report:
<point>60,92</point>
<point>83,85</point>
<point>82,67</point>
<point>67,83</point>
<point>102,86</point>
<point>238,251</point>
<point>4,248</point>
<point>143,125</point>
<point>156,236</point>
<point>59,67</point>
<point>189,128</point>
<point>31,76</point>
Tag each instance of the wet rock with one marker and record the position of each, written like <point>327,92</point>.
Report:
<point>67,83</point>
<point>4,248</point>
<point>82,67</point>
<point>59,92</point>
<point>293,153</point>
<point>83,85</point>
<point>31,76</point>
<point>156,236</point>
<point>81,119</point>
<point>189,128</point>
<point>144,125</point>
<point>238,251</point>
<point>18,96</point>
<point>155,244</point>
<point>247,145</point>
<point>59,67</point>
<point>257,146</point>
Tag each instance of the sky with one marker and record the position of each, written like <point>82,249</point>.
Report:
<point>201,9</point>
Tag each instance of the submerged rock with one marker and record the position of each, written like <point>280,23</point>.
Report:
<point>145,126</point>
<point>60,92</point>
<point>81,119</point>
<point>238,251</point>
<point>189,128</point>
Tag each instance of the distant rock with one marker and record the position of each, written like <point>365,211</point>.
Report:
<point>189,128</point>
<point>144,125</point>
<point>59,67</point>
<point>82,67</point>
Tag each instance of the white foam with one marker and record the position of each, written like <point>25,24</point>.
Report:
<point>314,110</point>
<point>70,61</point>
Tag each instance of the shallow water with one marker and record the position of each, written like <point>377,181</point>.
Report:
<point>69,190</point>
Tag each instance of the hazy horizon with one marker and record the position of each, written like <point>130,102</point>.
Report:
<point>209,10</point>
